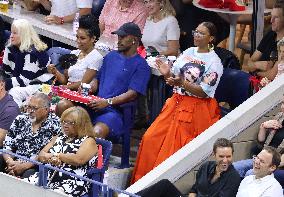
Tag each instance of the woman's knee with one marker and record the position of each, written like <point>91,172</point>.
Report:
<point>101,130</point>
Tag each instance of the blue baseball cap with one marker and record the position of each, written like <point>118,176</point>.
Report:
<point>129,28</point>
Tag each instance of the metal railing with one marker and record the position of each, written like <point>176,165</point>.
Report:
<point>106,191</point>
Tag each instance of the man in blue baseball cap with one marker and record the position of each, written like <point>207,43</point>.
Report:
<point>123,76</point>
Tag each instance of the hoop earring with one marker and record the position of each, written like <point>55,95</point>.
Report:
<point>210,46</point>
<point>161,7</point>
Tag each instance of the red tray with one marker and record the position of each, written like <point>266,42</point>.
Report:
<point>73,95</point>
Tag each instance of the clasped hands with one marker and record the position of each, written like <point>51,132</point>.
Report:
<point>165,71</point>
<point>272,124</point>
<point>51,158</point>
<point>15,168</point>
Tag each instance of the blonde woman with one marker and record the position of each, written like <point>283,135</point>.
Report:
<point>161,29</point>
<point>25,61</point>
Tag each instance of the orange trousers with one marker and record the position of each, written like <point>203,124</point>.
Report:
<point>181,119</point>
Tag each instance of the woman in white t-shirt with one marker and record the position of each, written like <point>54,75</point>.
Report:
<point>63,11</point>
<point>161,29</point>
<point>89,59</point>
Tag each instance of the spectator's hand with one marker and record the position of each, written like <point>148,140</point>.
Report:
<point>174,81</point>
<point>44,157</point>
<point>261,65</point>
<point>51,19</point>
<point>54,160</point>
<point>98,104</point>
<point>272,124</point>
<point>52,69</point>
<point>94,87</point>
<point>264,81</point>
<point>14,167</point>
<point>162,67</point>
<point>19,168</point>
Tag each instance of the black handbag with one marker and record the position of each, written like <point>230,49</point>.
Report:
<point>67,60</point>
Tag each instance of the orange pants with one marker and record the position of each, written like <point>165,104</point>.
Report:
<point>181,119</point>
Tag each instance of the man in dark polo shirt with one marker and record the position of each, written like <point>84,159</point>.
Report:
<point>216,178</point>
<point>264,57</point>
<point>8,109</point>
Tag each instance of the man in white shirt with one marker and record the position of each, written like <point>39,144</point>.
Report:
<point>262,183</point>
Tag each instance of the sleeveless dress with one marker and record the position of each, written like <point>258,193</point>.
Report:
<point>62,182</point>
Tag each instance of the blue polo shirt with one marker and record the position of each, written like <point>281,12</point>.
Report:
<point>118,74</point>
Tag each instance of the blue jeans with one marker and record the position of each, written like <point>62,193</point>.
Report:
<point>55,52</point>
<point>243,167</point>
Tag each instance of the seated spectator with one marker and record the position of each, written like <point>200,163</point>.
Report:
<point>89,60</point>
<point>262,59</point>
<point>33,5</point>
<point>74,150</point>
<point>214,178</point>
<point>278,67</point>
<point>271,133</point>
<point>25,61</point>
<point>191,109</point>
<point>123,76</point>
<point>262,183</point>
<point>28,134</point>
<point>9,110</point>
<point>161,29</point>
<point>63,11</point>
<point>117,12</point>
<point>190,16</point>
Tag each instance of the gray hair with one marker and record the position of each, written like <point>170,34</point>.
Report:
<point>44,99</point>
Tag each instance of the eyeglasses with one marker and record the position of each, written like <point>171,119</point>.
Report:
<point>33,108</point>
<point>198,34</point>
<point>67,123</point>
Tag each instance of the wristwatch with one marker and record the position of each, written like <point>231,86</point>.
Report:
<point>109,101</point>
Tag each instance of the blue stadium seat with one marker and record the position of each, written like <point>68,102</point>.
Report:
<point>234,88</point>
<point>98,174</point>
<point>128,110</point>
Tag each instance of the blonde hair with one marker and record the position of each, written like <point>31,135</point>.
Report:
<point>83,124</point>
<point>28,36</point>
<point>166,9</point>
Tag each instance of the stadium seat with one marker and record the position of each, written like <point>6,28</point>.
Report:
<point>234,88</point>
<point>98,174</point>
<point>128,110</point>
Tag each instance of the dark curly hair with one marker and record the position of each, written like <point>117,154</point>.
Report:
<point>91,24</point>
